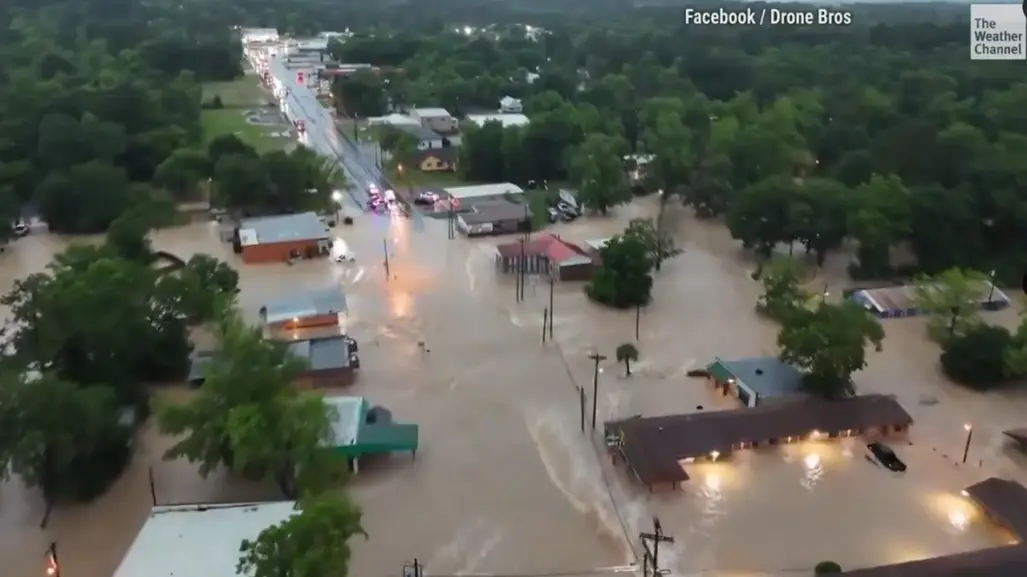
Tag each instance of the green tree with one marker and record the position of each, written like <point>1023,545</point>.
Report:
<point>97,320</point>
<point>659,243</point>
<point>248,418</point>
<point>71,442</point>
<point>312,543</point>
<point>783,292</point>
<point>827,568</point>
<point>598,173</point>
<point>626,353</point>
<point>879,220</point>
<point>763,215</point>
<point>951,300</point>
<point>977,357</point>
<point>126,238</point>
<point>182,172</point>
<point>361,94</point>
<point>829,344</point>
<point>624,278</point>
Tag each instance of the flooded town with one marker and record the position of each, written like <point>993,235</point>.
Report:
<point>506,482</point>
<point>534,431</point>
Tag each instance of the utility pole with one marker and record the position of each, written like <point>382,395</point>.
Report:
<point>53,568</point>
<point>581,403</point>
<point>414,569</point>
<point>521,266</point>
<point>638,320</point>
<point>385,251</point>
<point>595,385</point>
<point>545,321</point>
<point>651,555</point>
<point>551,310</point>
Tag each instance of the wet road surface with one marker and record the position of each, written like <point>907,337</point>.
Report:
<point>299,103</point>
<point>505,481</point>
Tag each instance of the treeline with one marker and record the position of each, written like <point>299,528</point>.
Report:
<point>884,134</point>
<point>94,97</point>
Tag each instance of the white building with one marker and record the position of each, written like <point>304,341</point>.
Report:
<point>504,119</point>
<point>510,105</point>
<point>249,35</point>
<point>198,540</point>
<point>392,120</point>
<point>436,119</point>
<point>485,192</point>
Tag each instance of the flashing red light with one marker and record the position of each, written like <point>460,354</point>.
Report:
<point>299,77</point>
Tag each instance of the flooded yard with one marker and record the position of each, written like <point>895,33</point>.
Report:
<point>505,480</point>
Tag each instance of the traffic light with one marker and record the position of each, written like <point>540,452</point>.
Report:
<point>52,569</point>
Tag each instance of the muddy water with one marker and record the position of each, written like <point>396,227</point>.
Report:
<point>505,480</point>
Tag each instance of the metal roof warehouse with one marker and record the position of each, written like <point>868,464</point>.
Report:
<point>198,540</point>
<point>283,228</point>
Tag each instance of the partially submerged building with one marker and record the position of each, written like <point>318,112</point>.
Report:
<point>361,430</point>
<point>545,254</point>
<point>283,238</point>
<point>468,195</point>
<point>756,380</point>
<point>494,217</point>
<point>198,540</point>
<point>324,308</point>
<point>1005,503</point>
<point>900,301</point>
<point>331,362</point>
<point>656,448</point>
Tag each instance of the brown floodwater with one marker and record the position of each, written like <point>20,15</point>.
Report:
<point>505,481</point>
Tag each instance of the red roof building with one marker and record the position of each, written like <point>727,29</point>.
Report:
<point>545,254</point>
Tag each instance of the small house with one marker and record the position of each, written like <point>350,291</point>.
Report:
<point>509,105</point>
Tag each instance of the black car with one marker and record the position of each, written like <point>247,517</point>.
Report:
<point>887,457</point>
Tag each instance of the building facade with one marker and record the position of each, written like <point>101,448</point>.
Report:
<point>282,238</point>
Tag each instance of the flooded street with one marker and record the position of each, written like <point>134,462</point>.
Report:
<point>505,482</point>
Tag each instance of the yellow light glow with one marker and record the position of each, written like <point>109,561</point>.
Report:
<point>964,493</point>
<point>713,482</point>
<point>812,461</point>
<point>968,427</point>
<point>814,435</point>
<point>959,520</point>
<point>714,455</point>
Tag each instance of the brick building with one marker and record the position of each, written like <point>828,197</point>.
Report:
<point>282,238</point>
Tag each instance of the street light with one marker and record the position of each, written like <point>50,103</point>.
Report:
<point>969,435</point>
<point>991,291</point>
<point>595,384</point>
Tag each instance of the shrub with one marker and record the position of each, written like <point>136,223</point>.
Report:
<point>976,357</point>
<point>827,568</point>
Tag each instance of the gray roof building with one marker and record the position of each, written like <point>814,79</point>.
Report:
<point>283,228</point>
<point>323,354</point>
<point>762,377</point>
<point>303,305</point>
<point>496,211</point>
<point>419,132</point>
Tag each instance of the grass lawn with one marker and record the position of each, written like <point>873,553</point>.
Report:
<point>244,91</point>
<point>416,178</point>
<point>239,96</point>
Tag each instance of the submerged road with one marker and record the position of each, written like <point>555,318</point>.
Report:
<point>299,103</point>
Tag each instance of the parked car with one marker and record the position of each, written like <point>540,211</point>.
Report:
<point>426,198</point>
<point>553,215</point>
<point>566,208</point>
<point>887,457</point>
<point>21,229</point>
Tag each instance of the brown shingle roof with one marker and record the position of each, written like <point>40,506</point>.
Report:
<point>653,446</point>
<point>1003,500</point>
<point>546,245</point>
<point>1008,561</point>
